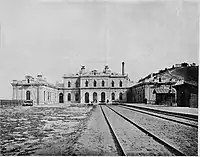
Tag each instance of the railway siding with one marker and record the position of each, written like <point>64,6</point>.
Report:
<point>175,111</point>
<point>167,117</point>
<point>183,137</point>
<point>134,141</point>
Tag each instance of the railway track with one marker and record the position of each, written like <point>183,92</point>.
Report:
<point>166,117</point>
<point>119,146</point>
<point>178,115</point>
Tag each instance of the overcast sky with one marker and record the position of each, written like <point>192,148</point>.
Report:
<point>54,38</point>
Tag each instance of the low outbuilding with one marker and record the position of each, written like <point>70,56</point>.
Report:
<point>187,93</point>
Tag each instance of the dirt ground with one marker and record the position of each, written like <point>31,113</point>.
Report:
<point>42,130</point>
<point>96,139</point>
<point>59,130</point>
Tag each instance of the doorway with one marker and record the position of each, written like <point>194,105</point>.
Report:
<point>103,96</point>
<point>61,100</point>
<point>28,95</point>
<point>87,100</point>
<point>113,96</point>
<point>95,97</point>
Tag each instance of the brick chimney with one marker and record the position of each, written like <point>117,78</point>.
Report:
<point>122,68</point>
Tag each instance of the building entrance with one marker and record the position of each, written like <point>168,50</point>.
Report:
<point>103,96</point>
<point>61,98</point>
<point>28,95</point>
<point>95,97</point>
<point>87,98</point>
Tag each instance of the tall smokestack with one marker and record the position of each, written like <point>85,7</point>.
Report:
<point>122,68</point>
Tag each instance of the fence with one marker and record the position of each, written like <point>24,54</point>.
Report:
<point>7,103</point>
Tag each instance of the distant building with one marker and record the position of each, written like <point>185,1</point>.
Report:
<point>165,88</point>
<point>82,87</point>
<point>187,93</point>
<point>152,93</point>
<point>36,89</point>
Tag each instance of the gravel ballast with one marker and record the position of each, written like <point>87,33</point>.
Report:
<point>97,139</point>
<point>164,116</point>
<point>183,137</point>
<point>133,140</point>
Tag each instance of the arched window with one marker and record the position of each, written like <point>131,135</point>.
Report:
<point>86,83</point>
<point>69,84</point>
<point>113,96</point>
<point>28,80</point>
<point>87,100</point>
<point>103,97</point>
<point>120,83</point>
<point>113,83</point>
<point>95,97</point>
<point>95,83</point>
<point>69,97</point>
<point>76,97</point>
<point>120,96</point>
<point>103,83</point>
<point>61,98</point>
<point>28,95</point>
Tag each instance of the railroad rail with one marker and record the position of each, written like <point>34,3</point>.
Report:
<point>173,149</point>
<point>178,115</point>
<point>159,116</point>
<point>118,145</point>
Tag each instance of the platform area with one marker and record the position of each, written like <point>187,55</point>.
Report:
<point>178,110</point>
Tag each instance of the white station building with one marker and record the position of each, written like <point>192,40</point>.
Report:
<point>82,87</point>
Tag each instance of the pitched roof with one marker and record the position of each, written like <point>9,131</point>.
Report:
<point>193,83</point>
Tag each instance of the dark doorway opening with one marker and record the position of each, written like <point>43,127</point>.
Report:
<point>183,99</point>
<point>120,96</point>
<point>28,95</point>
<point>87,100</point>
<point>113,96</point>
<point>95,97</point>
<point>69,97</point>
<point>103,97</point>
<point>61,100</point>
<point>77,97</point>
